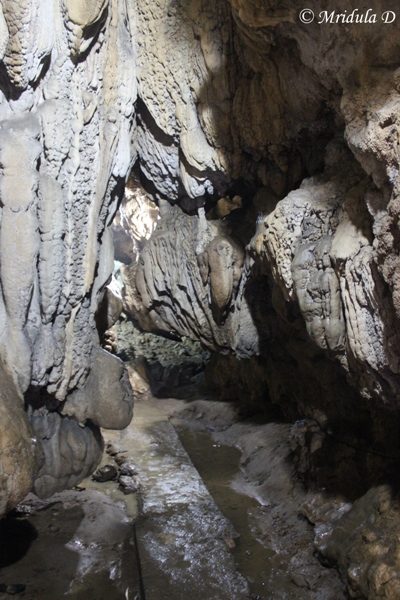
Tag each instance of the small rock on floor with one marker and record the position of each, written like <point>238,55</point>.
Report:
<point>128,484</point>
<point>129,469</point>
<point>16,588</point>
<point>106,473</point>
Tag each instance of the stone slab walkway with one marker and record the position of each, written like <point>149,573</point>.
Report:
<point>183,538</point>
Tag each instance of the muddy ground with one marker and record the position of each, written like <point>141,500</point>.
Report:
<point>225,524</point>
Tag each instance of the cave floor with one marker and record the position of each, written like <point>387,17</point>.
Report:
<point>209,522</point>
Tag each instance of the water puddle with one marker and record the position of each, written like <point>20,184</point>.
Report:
<point>218,465</point>
<point>77,545</point>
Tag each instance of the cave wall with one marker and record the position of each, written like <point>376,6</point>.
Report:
<point>301,121</point>
<point>67,122</point>
<point>293,287</point>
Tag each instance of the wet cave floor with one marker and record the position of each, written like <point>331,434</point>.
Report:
<point>216,516</point>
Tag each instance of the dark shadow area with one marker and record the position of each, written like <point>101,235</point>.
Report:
<point>158,134</point>
<point>341,443</point>
<point>177,381</point>
<point>10,91</point>
<point>37,397</point>
<point>91,32</point>
<point>33,548</point>
<point>16,537</point>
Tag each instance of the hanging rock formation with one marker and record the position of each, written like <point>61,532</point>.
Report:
<point>189,279</point>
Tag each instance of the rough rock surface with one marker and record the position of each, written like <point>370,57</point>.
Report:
<point>363,540</point>
<point>190,279</point>
<point>300,120</point>
<point>20,455</point>
<point>67,93</point>
<point>71,452</point>
<point>106,398</point>
<point>133,344</point>
<point>238,99</point>
<point>159,364</point>
<point>318,247</point>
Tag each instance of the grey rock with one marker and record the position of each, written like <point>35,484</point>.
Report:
<point>105,473</point>
<point>106,398</point>
<point>128,469</point>
<point>129,485</point>
<point>199,272</point>
<point>71,452</point>
<point>59,190</point>
<point>121,457</point>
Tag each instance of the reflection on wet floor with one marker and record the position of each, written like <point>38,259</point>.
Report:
<point>256,490</point>
<point>182,535</point>
<point>196,537</point>
<point>218,465</point>
<point>70,546</point>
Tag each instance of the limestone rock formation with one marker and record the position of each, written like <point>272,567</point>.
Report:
<point>71,452</point>
<point>190,279</point>
<point>270,146</point>
<point>299,114</point>
<point>67,97</point>
<point>105,400</point>
<point>300,120</point>
<point>363,540</point>
<point>20,452</point>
